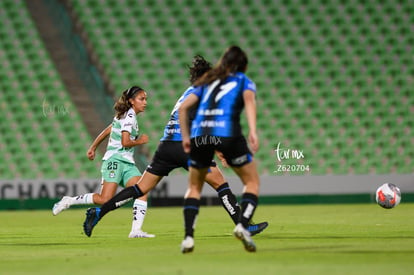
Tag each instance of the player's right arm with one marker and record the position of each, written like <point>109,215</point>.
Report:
<point>98,140</point>
<point>183,111</point>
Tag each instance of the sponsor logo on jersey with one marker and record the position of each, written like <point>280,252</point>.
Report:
<point>173,131</point>
<point>112,174</point>
<point>173,122</point>
<point>239,160</point>
<point>213,123</point>
<point>211,112</point>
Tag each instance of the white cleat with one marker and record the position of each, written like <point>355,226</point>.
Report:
<point>140,234</point>
<point>61,205</point>
<point>244,235</point>
<point>187,245</point>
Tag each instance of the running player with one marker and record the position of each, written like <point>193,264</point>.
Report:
<point>118,166</point>
<point>221,95</point>
<point>169,156</point>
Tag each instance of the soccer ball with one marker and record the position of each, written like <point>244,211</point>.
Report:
<point>388,195</point>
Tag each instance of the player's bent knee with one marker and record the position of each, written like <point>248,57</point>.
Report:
<point>100,199</point>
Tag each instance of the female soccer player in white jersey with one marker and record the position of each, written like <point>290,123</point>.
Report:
<point>222,94</point>
<point>169,156</point>
<point>118,166</point>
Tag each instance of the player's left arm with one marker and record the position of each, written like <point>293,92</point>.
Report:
<point>249,98</point>
<point>127,142</point>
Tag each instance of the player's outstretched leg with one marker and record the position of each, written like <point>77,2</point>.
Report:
<point>92,218</point>
<point>244,235</point>
<point>140,234</point>
<point>61,205</point>
<point>257,228</point>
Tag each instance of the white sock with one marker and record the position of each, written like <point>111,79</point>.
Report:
<point>138,214</point>
<point>83,199</point>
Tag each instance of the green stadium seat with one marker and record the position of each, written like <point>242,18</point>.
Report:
<point>28,82</point>
<point>332,68</point>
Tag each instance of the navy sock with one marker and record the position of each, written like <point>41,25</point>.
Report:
<point>229,201</point>
<point>248,206</point>
<point>120,199</point>
<point>191,208</point>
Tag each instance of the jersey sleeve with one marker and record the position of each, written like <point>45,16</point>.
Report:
<point>197,91</point>
<point>249,85</point>
<point>127,123</point>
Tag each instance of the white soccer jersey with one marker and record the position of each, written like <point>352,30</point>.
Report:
<point>128,122</point>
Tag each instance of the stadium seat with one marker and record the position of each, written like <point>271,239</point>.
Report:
<point>330,75</point>
<point>34,99</point>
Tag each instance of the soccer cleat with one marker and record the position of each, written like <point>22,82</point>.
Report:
<point>92,218</point>
<point>257,228</point>
<point>187,245</point>
<point>61,205</point>
<point>244,235</point>
<point>140,234</point>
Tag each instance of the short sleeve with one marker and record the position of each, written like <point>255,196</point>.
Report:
<point>249,85</point>
<point>197,91</point>
<point>128,122</point>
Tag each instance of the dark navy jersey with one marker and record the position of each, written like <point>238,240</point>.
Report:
<point>172,131</point>
<point>220,105</point>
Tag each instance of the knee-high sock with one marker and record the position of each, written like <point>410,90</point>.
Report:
<point>191,207</point>
<point>248,206</point>
<point>120,199</point>
<point>138,214</point>
<point>229,201</point>
<point>82,199</point>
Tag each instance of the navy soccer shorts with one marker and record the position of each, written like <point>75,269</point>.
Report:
<point>169,156</point>
<point>234,149</point>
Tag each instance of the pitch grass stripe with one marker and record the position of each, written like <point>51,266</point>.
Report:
<point>10,204</point>
<point>300,239</point>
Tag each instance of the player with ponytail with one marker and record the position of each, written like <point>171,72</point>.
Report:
<point>118,166</point>
<point>169,156</point>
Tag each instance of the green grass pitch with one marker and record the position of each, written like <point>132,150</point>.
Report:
<point>301,239</point>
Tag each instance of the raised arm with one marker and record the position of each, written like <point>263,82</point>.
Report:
<point>249,98</point>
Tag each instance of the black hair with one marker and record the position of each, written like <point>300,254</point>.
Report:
<point>198,67</point>
<point>122,105</point>
<point>130,93</point>
<point>233,60</point>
